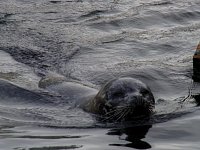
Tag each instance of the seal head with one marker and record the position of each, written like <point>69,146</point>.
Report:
<point>123,99</point>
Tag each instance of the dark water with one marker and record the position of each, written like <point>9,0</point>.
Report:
<point>93,42</point>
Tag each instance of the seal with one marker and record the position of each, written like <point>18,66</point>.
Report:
<point>120,99</point>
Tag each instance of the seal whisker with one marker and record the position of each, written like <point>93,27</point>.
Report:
<point>110,112</point>
<point>124,107</point>
<point>128,112</point>
<point>121,114</point>
<point>124,113</point>
<point>117,113</point>
<point>115,110</point>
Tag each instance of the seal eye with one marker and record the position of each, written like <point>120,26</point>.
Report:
<point>118,94</point>
<point>144,92</point>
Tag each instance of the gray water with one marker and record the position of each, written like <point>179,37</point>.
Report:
<point>93,42</point>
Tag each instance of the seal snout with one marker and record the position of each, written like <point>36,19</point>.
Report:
<point>137,106</point>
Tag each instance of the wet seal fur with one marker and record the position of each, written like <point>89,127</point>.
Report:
<point>120,99</point>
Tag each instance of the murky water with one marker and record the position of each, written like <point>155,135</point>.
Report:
<point>93,42</point>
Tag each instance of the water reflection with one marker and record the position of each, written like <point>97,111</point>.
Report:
<point>133,135</point>
<point>50,148</point>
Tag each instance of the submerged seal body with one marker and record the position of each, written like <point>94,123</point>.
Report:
<point>119,99</point>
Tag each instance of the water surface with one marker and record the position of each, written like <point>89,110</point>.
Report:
<point>93,42</point>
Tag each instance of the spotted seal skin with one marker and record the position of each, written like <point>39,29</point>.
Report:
<point>122,99</point>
